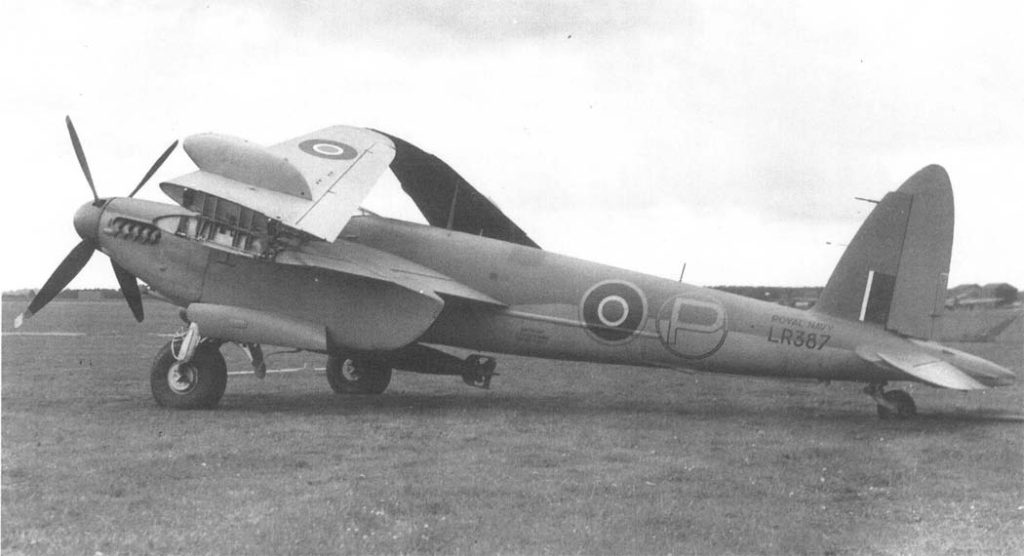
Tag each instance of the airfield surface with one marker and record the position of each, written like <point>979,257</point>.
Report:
<point>558,458</point>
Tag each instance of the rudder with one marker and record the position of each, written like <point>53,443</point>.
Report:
<point>894,273</point>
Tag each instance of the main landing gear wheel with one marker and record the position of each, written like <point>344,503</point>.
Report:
<point>198,383</point>
<point>894,404</point>
<point>357,376</point>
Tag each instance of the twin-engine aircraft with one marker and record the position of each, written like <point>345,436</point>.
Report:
<point>268,245</point>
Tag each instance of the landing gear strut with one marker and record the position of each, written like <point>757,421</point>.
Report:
<point>894,404</point>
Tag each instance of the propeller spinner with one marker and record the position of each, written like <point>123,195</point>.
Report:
<point>86,221</point>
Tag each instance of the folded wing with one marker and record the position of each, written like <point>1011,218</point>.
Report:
<point>313,183</point>
<point>316,182</point>
<point>449,201</point>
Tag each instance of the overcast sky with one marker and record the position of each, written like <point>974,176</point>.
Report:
<point>732,136</point>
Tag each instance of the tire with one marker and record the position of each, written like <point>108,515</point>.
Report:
<point>198,384</point>
<point>357,376</point>
<point>905,406</point>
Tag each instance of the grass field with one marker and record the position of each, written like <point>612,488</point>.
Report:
<point>560,458</point>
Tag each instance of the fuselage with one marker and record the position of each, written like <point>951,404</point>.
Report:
<point>556,306</point>
<point>567,308</point>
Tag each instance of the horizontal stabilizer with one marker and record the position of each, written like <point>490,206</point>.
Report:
<point>924,367</point>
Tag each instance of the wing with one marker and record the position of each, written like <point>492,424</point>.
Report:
<point>434,186</point>
<point>399,302</point>
<point>359,260</point>
<point>312,183</point>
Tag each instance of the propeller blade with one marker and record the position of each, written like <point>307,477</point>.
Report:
<point>66,271</point>
<point>152,170</point>
<point>81,157</point>
<point>130,289</point>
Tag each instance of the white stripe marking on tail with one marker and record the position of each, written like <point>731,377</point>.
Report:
<point>867,294</point>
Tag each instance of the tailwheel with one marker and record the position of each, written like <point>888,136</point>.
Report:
<point>903,405</point>
<point>196,383</point>
<point>894,404</point>
<point>479,369</point>
<point>366,376</point>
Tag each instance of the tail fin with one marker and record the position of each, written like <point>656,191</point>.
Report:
<point>894,273</point>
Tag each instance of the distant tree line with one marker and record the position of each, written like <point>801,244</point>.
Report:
<point>68,295</point>
<point>802,298</point>
<point>1006,294</point>
<point>806,297</point>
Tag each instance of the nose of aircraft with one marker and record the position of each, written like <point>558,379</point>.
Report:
<point>87,221</point>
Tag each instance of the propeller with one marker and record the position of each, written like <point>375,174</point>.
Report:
<point>66,271</point>
<point>130,289</point>
<point>81,156</point>
<point>85,219</point>
<point>152,170</point>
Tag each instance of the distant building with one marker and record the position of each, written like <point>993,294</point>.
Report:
<point>965,297</point>
<point>971,297</point>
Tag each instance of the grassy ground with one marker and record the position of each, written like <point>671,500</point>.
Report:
<point>559,458</point>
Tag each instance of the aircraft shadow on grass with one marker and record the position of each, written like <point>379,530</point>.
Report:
<point>410,403</point>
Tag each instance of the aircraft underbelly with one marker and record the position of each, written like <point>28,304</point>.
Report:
<point>547,331</point>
